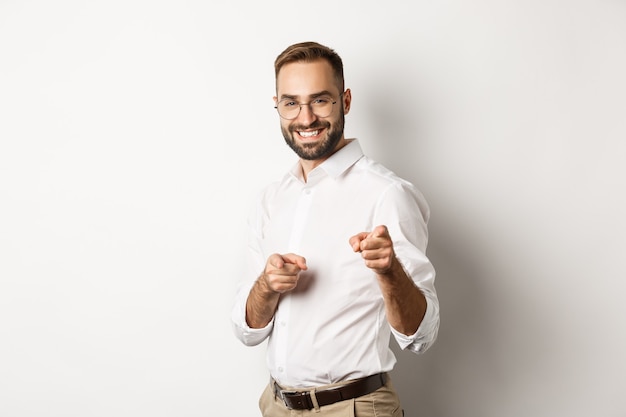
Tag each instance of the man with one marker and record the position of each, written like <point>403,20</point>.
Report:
<point>336,258</point>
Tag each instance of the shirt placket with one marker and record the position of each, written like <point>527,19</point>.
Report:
<point>303,206</point>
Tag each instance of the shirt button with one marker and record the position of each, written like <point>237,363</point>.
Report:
<point>280,369</point>
<point>307,191</point>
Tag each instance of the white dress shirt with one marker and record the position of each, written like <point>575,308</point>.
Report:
<point>332,327</point>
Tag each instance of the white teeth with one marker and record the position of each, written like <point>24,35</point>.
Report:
<point>308,134</point>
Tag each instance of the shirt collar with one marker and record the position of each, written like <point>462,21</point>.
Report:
<point>337,163</point>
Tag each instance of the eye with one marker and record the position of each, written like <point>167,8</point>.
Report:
<point>321,101</point>
<point>288,103</point>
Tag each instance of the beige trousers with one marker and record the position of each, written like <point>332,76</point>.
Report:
<point>383,402</point>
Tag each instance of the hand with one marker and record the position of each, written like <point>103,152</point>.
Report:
<point>376,249</point>
<point>282,271</point>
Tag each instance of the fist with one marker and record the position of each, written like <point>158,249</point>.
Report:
<point>282,271</point>
<point>376,248</point>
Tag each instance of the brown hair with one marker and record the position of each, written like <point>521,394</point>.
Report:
<point>309,52</point>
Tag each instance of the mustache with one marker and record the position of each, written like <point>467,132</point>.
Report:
<point>315,125</point>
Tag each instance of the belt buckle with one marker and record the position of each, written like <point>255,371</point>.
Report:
<point>296,400</point>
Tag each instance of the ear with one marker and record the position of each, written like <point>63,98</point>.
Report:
<point>347,100</point>
<point>275,101</point>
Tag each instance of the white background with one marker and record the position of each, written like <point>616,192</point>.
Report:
<point>134,134</point>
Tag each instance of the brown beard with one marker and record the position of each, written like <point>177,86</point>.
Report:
<point>314,151</point>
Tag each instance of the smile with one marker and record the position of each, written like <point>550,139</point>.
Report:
<point>309,134</point>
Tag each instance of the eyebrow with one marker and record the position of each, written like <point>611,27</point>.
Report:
<point>315,95</point>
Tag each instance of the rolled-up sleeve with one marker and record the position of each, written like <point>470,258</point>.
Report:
<point>406,212</point>
<point>254,263</point>
<point>247,335</point>
<point>426,334</point>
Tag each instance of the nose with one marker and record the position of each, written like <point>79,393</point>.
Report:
<point>306,115</point>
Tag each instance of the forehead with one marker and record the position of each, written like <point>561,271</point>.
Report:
<point>305,78</point>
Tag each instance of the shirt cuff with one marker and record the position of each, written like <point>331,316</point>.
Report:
<point>426,333</point>
<point>252,337</point>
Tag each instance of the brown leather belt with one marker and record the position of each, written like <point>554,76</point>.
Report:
<point>301,400</point>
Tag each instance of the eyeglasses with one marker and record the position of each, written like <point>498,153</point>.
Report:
<point>321,106</point>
